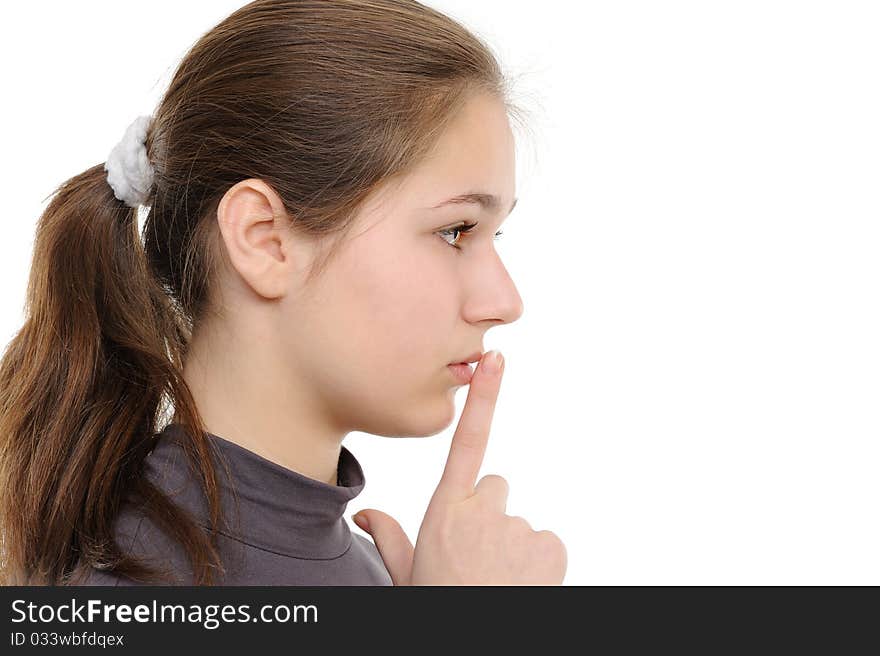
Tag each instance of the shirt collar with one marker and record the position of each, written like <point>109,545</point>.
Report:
<point>280,510</point>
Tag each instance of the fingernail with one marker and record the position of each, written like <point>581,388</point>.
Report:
<point>361,521</point>
<point>492,362</point>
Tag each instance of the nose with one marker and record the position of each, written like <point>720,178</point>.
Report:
<point>494,296</point>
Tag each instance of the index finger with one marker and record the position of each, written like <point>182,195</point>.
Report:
<point>472,433</point>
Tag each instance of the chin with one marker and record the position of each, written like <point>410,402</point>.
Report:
<point>419,420</point>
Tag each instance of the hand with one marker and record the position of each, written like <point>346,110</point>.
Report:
<point>466,538</point>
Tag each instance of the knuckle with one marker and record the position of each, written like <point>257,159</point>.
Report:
<point>492,490</point>
<point>496,480</point>
<point>520,524</point>
<point>551,546</point>
<point>487,400</point>
<point>469,438</point>
<point>486,394</point>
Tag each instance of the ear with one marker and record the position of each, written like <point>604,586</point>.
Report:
<point>255,228</point>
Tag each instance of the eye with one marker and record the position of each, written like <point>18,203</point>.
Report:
<point>463,228</point>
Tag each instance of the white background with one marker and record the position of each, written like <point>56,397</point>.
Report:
<point>691,396</point>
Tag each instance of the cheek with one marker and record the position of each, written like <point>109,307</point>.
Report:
<point>400,299</point>
<point>404,307</point>
<point>382,330</point>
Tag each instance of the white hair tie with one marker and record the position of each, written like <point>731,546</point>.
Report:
<point>128,169</point>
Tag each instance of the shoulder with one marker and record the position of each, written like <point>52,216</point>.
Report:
<point>138,536</point>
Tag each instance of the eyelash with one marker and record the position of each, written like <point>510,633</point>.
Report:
<point>464,228</point>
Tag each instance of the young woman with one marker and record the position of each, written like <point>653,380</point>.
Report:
<point>323,182</point>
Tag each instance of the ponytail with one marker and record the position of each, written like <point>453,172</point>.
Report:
<point>84,385</point>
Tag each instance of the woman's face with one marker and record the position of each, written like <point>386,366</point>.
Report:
<point>374,334</point>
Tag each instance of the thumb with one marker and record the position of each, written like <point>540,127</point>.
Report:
<point>391,541</point>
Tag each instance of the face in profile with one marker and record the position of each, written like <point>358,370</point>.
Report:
<point>407,293</point>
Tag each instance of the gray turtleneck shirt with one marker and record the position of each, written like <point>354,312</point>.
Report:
<point>291,531</point>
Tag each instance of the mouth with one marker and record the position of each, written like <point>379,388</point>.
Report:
<point>470,359</point>
<point>462,372</point>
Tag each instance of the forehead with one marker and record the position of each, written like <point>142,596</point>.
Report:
<point>476,153</point>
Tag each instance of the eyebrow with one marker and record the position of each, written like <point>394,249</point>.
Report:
<point>486,201</point>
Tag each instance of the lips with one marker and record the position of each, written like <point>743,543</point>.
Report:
<point>462,372</point>
<point>473,357</point>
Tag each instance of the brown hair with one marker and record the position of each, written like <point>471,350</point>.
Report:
<point>324,101</point>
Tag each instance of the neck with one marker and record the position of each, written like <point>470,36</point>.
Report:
<point>245,397</point>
